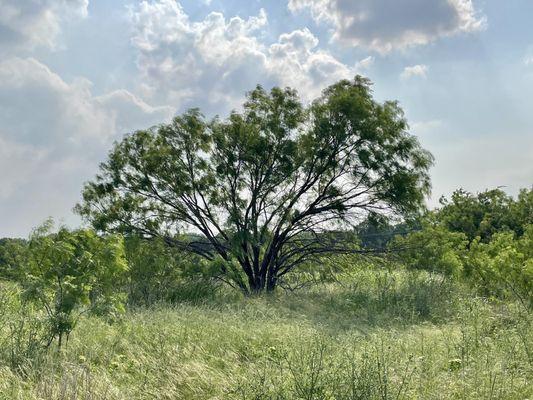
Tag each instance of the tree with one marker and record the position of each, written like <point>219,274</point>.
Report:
<point>72,272</point>
<point>486,213</point>
<point>262,187</point>
<point>377,231</point>
<point>522,211</point>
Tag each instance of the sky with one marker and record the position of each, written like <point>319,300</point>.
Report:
<point>76,75</point>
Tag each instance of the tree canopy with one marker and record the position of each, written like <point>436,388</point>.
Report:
<point>261,191</point>
<point>486,213</point>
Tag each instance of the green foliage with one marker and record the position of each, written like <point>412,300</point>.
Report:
<point>433,248</point>
<point>504,266</point>
<point>258,185</point>
<point>158,272</point>
<point>486,213</point>
<point>72,272</point>
<point>153,270</point>
<point>23,331</point>
<point>497,259</point>
<point>12,256</point>
<point>522,209</point>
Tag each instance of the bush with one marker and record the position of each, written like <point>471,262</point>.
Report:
<point>504,266</point>
<point>69,273</point>
<point>433,248</point>
<point>501,267</point>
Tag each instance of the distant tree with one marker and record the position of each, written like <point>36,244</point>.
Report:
<point>522,211</point>
<point>264,185</point>
<point>377,231</point>
<point>486,213</point>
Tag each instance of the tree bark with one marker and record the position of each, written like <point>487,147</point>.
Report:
<point>261,282</point>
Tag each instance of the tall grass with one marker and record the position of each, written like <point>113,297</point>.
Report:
<point>375,334</point>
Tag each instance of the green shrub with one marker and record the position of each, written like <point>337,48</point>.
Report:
<point>69,273</point>
<point>433,248</point>
<point>504,266</point>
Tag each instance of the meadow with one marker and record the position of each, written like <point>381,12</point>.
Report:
<point>374,333</point>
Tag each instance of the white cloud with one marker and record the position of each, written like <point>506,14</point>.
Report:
<point>128,112</point>
<point>53,135</point>
<point>26,24</point>
<point>384,25</point>
<point>364,64</point>
<point>214,61</point>
<point>528,61</point>
<point>39,107</point>
<point>419,70</point>
<point>295,61</point>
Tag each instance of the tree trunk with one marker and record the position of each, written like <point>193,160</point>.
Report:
<point>271,283</point>
<point>257,284</point>
<point>265,281</point>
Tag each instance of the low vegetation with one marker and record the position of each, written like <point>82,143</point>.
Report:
<point>375,334</point>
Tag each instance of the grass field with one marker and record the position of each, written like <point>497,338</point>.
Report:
<point>375,334</point>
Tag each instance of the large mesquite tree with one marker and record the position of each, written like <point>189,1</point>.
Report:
<point>260,192</point>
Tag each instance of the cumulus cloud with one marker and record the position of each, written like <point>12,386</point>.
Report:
<point>128,112</point>
<point>419,70</point>
<point>295,61</point>
<point>213,61</point>
<point>38,107</point>
<point>26,24</point>
<point>53,135</point>
<point>384,25</point>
